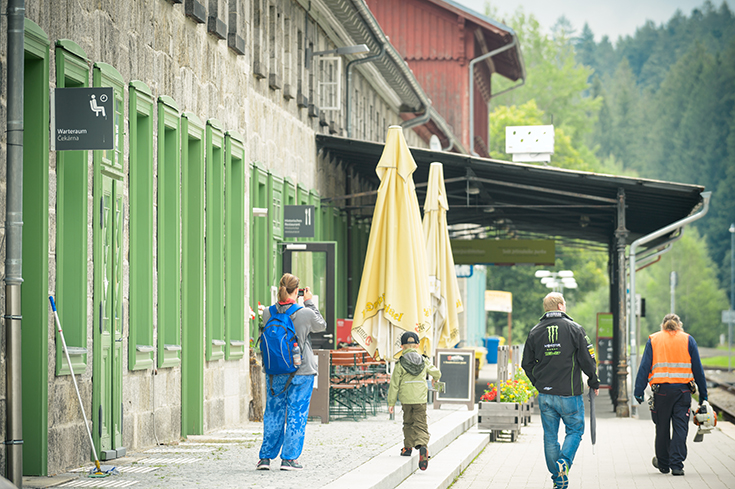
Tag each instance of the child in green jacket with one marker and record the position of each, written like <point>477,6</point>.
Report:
<point>408,384</point>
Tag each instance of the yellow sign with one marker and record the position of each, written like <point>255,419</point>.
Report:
<point>504,251</point>
<point>497,300</point>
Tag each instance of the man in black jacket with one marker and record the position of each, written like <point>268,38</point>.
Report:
<point>556,352</point>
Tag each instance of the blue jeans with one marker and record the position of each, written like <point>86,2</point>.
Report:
<point>569,409</point>
<point>284,420</point>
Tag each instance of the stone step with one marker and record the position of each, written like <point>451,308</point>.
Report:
<point>449,463</point>
<point>388,469</point>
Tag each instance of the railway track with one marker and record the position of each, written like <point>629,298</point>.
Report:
<point>721,392</point>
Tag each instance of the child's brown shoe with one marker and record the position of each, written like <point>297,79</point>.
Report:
<point>423,457</point>
<point>406,451</point>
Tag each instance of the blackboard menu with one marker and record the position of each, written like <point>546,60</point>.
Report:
<point>458,374</point>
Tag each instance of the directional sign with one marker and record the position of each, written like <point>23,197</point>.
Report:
<point>83,119</point>
<point>728,316</point>
<point>298,221</point>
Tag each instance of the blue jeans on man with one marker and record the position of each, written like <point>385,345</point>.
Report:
<point>570,410</point>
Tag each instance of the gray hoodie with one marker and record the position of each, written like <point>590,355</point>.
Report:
<point>306,320</point>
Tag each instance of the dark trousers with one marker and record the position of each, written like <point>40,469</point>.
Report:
<point>415,427</point>
<point>672,404</point>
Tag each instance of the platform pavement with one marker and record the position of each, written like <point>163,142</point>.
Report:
<point>352,454</point>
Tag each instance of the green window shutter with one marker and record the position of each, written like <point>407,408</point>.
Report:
<point>215,259</point>
<point>169,234</point>
<point>235,229</point>
<point>71,224</point>
<point>140,340</point>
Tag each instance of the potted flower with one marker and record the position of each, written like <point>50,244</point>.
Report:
<point>501,407</point>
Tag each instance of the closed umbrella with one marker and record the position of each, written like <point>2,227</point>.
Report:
<point>593,421</point>
<point>394,292</point>
<point>445,297</point>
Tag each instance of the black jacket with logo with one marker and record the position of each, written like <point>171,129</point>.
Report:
<point>557,351</point>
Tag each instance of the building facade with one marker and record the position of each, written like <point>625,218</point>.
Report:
<point>155,250</point>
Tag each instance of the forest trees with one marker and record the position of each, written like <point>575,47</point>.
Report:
<point>659,104</point>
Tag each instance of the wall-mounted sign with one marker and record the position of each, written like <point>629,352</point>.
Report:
<point>504,251</point>
<point>83,119</point>
<point>298,221</point>
<point>498,301</point>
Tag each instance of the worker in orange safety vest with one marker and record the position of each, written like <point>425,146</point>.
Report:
<point>671,365</point>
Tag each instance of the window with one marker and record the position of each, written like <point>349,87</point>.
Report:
<point>71,224</point>
<point>140,340</point>
<point>215,258</point>
<point>330,77</point>
<point>235,228</point>
<point>169,234</point>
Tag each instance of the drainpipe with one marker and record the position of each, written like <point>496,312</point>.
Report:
<point>14,239</point>
<point>368,59</point>
<point>633,247</point>
<point>418,121</point>
<point>472,87</point>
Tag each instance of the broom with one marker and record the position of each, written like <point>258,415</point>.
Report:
<point>97,471</point>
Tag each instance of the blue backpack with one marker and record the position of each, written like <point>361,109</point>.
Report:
<point>277,339</point>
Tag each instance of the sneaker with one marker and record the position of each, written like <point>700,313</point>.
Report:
<point>291,465</point>
<point>663,470</point>
<point>406,451</point>
<point>677,471</point>
<point>561,481</point>
<point>263,464</point>
<point>423,457</point>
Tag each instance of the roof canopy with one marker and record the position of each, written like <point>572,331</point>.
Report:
<point>504,199</point>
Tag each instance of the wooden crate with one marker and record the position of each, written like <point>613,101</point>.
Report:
<point>500,416</point>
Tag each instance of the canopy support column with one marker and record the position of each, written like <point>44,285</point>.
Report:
<point>622,409</point>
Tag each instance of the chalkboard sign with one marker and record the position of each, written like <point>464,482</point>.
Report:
<point>458,374</point>
<point>605,350</point>
<point>605,374</point>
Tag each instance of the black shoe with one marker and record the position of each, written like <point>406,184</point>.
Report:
<point>263,464</point>
<point>663,470</point>
<point>291,465</point>
<point>406,451</point>
<point>677,471</point>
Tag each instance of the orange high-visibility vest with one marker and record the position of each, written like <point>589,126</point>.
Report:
<point>672,363</point>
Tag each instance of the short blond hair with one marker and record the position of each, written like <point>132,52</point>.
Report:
<point>671,322</point>
<point>552,301</point>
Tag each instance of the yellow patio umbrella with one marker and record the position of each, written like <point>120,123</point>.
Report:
<point>445,297</point>
<point>394,291</point>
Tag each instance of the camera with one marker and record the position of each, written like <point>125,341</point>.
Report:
<point>301,292</point>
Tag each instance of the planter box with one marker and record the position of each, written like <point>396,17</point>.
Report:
<point>499,416</point>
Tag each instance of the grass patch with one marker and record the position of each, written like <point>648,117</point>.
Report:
<point>719,361</point>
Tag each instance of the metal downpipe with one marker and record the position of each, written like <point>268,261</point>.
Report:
<point>14,238</point>
<point>632,258</point>
<point>492,53</point>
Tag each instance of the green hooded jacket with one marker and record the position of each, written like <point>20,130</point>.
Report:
<point>408,382</point>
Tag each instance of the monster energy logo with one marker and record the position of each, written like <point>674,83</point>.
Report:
<point>553,332</point>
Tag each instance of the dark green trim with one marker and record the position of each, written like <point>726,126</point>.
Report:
<point>34,299</point>
<point>140,338</point>
<point>71,223</point>
<point>235,228</point>
<point>169,234</point>
<point>192,279</point>
<point>275,229</point>
<point>215,257</point>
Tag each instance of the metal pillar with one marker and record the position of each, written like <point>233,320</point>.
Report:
<point>622,410</point>
<point>14,238</point>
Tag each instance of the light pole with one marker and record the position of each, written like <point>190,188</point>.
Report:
<point>557,281</point>
<point>732,296</point>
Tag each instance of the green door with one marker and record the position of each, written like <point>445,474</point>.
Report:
<point>107,407</point>
<point>108,334</point>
